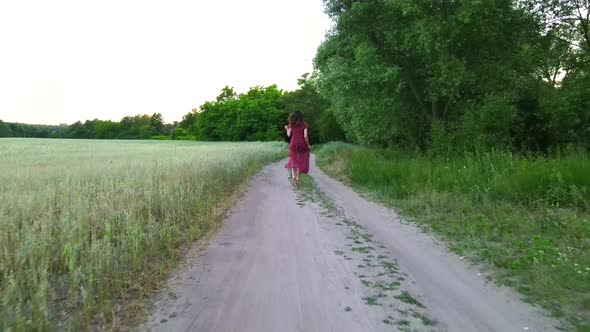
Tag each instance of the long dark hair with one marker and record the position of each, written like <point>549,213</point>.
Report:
<point>295,119</point>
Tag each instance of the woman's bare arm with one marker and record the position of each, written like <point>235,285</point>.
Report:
<point>306,138</point>
<point>288,129</point>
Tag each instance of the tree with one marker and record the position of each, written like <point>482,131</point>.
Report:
<point>226,95</point>
<point>395,70</point>
<point>189,119</point>
<point>156,124</point>
<point>77,130</point>
<point>566,64</point>
<point>328,127</point>
<point>257,115</point>
<point>5,130</point>
<point>179,133</point>
<point>568,20</point>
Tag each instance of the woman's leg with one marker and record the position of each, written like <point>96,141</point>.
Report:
<point>293,175</point>
<point>298,174</point>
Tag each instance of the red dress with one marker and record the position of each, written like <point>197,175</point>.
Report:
<point>298,149</point>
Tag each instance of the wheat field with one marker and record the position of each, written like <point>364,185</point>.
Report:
<point>87,226</point>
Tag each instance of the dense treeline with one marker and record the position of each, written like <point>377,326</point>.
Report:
<point>459,75</point>
<point>257,115</point>
<point>130,127</point>
<point>261,113</point>
<point>8,129</point>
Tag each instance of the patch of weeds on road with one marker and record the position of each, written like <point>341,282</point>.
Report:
<point>367,237</point>
<point>391,267</point>
<point>363,250</point>
<point>371,300</point>
<point>402,312</point>
<point>425,320</point>
<point>394,285</point>
<point>305,190</point>
<point>409,299</point>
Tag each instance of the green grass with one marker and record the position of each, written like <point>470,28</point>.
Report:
<point>528,217</point>
<point>87,227</point>
<point>409,299</point>
<point>371,300</point>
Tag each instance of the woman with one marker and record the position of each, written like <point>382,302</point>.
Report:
<point>299,147</point>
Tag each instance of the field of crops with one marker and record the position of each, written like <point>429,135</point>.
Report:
<point>86,226</point>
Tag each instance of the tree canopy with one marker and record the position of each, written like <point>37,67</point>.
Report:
<point>257,115</point>
<point>457,73</point>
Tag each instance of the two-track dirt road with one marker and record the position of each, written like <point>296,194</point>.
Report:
<point>326,259</point>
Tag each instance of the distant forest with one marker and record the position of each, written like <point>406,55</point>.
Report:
<point>258,115</point>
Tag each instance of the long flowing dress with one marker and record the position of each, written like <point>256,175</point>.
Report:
<point>298,149</point>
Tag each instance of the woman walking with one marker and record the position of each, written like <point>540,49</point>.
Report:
<point>299,147</point>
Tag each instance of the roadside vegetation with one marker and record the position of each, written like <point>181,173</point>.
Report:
<point>472,118</point>
<point>526,216</point>
<point>88,227</point>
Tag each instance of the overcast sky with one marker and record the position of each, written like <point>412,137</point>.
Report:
<point>64,61</point>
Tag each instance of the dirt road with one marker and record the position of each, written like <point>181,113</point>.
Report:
<point>323,258</point>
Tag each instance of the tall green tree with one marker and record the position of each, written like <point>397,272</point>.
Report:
<point>188,119</point>
<point>397,70</point>
<point>156,124</point>
<point>566,64</point>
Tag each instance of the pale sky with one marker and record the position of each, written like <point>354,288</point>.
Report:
<point>63,61</point>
